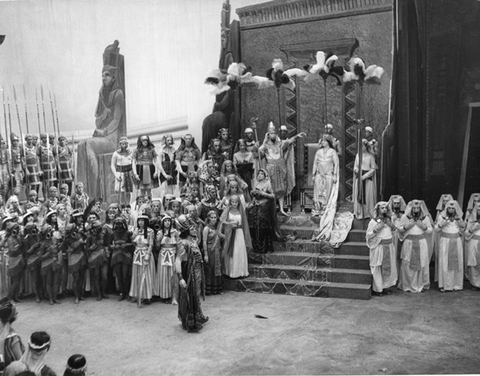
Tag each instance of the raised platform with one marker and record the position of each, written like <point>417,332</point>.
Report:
<point>305,267</point>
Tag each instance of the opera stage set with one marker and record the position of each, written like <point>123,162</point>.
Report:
<point>426,132</point>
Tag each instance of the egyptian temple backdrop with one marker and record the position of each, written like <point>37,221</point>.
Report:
<point>294,31</point>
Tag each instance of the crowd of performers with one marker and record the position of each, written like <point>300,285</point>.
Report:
<point>214,210</point>
<point>405,238</point>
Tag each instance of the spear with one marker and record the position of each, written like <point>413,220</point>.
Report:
<point>26,112</point>
<point>18,114</point>
<point>22,141</point>
<point>10,143</point>
<point>43,107</point>
<point>6,140</point>
<point>38,114</point>
<point>55,142</point>
<point>56,113</point>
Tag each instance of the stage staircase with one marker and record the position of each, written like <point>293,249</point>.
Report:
<point>308,268</point>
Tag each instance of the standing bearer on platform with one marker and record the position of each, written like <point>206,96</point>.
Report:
<point>363,205</point>
<point>450,248</point>
<point>187,157</point>
<point>65,163</point>
<point>32,162</point>
<point>144,162</point>
<point>18,163</point>
<point>168,166</point>
<point>273,150</point>
<point>121,167</point>
<point>413,229</point>
<point>4,169</point>
<point>252,146</point>
<point>47,163</point>
<point>472,245</point>
<point>383,263</point>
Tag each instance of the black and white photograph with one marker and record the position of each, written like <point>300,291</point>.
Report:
<point>239,187</point>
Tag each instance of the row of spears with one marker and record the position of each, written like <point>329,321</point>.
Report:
<point>7,114</point>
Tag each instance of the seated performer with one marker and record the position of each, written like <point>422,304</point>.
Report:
<point>281,177</point>
<point>364,203</point>
<point>413,228</point>
<point>450,248</point>
<point>472,245</point>
<point>382,250</point>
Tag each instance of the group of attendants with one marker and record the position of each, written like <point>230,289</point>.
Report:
<point>405,238</point>
<point>16,359</point>
<point>214,209</point>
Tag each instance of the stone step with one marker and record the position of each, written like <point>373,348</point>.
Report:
<point>309,273</point>
<point>302,245</point>
<point>360,224</point>
<point>297,231</point>
<point>315,260</point>
<point>356,235</point>
<point>296,287</point>
<point>353,248</point>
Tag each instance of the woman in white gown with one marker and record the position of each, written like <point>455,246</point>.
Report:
<point>325,190</point>
<point>234,225</point>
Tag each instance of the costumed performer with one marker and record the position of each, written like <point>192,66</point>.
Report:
<point>383,253</point>
<point>450,226</point>
<point>121,166</point>
<point>190,272</point>
<point>234,225</point>
<point>369,183</point>
<point>282,176</point>
<point>472,245</point>
<point>413,229</point>
<point>144,163</point>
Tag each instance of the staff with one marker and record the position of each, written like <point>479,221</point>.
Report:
<point>26,112</point>
<point>6,143</point>
<point>38,114</point>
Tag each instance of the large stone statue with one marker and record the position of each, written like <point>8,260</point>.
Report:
<point>110,122</point>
